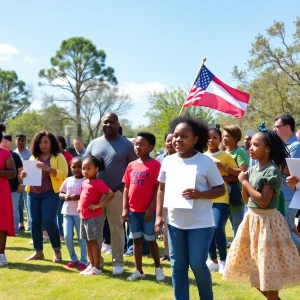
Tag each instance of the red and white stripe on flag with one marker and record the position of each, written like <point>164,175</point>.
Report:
<point>219,96</point>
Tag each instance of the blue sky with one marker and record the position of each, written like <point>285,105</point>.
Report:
<point>152,44</point>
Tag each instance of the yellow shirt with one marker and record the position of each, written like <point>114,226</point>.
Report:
<point>58,163</point>
<point>226,160</point>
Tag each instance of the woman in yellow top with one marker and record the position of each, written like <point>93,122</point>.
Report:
<point>43,200</point>
<point>227,168</point>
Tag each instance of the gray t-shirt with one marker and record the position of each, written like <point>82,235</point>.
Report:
<point>25,154</point>
<point>117,154</point>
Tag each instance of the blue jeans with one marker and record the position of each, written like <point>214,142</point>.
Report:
<point>129,243</point>
<point>290,215</point>
<point>60,217</point>
<point>139,227</point>
<point>236,217</point>
<point>221,214</point>
<point>69,223</point>
<point>190,248</point>
<point>43,209</point>
<point>16,201</point>
<point>23,204</point>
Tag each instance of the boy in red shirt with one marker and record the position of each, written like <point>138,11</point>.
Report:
<point>139,201</point>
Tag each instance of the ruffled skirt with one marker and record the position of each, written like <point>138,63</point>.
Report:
<point>263,252</point>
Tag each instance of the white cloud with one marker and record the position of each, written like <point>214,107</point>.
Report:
<point>28,60</point>
<point>140,91</point>
<point>7,51</point>
<point>60,81</point>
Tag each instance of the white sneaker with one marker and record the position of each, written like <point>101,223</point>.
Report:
<point>88,269</point>
<point>93,271</point>
<point>3,260</point>
<point>31,242</point>
<point>136,275</point>
<point>108,250</point>
<point>222,266</point>
<point>159,274</point>
<point>213,267</point>
<point>117,270</point>
<point>104,248</point>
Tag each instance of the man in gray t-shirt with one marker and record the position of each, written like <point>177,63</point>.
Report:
<point>117,152</point>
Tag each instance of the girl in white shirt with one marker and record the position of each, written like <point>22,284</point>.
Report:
<point>190,230</point>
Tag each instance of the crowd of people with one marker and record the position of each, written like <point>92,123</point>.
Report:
<point>115,181</point>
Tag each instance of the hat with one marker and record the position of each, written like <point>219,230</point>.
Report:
<point>7,136</point>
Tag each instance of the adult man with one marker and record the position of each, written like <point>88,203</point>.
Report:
<point>79,147</point>
<point>24,154</point>
<point>284,125</point>
<point>15,186</point>
<point>117,152</point>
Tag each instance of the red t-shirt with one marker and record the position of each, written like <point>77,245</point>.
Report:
<point>91,193</point>
<point>141,181</point>
<point>68,156</point>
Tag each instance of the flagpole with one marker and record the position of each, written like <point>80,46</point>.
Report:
<point>203,62</point>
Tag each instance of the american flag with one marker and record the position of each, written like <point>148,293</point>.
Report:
<point>209,91</point>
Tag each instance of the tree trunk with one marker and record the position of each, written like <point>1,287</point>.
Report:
<point>78,118</point>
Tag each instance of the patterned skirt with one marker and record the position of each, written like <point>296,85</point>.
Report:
<point>263,252</point>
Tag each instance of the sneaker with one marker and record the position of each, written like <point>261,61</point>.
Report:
<point>222,266</point>
<point>108,250</point>
<point>3,260</point>
<point>27,228</point>
<point>228,244</point>
<point>81,267</point>
<point>136,275</point>
<point>128,254</point>
<point>31,242</point>
<point>159,274</point>
<point>21,228</point>
<point>104,248</point>
<point>213,267</point>
<point>89,268</point>
<point>93,271</point>
<point>71,264</point>
<point>117,270</point>
<point>46,240</point>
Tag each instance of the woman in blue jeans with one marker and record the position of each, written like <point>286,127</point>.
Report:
<point>44,200</point>
<point>228,170</point>
<point>190,229</point>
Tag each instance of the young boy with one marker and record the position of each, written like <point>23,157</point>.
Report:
<point>139,201</point>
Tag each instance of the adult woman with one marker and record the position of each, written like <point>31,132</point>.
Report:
<point>7,171</point>
<point>44,200</point>
<point>231,136</point>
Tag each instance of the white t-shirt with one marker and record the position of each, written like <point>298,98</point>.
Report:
<point>71,186</point>
<point>208,176</point>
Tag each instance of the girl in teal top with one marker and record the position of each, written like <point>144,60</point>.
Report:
<point>263,252</point>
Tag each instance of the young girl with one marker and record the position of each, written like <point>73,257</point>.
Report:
<point>90,208</point>
<point>190,230</point>
<point>263,251</point>
<point>70,192</point>
<point>228,170</point>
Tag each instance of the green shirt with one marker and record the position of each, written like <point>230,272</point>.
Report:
<point>267,175</point>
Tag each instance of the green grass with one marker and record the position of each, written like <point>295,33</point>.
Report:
<point>46,280</point>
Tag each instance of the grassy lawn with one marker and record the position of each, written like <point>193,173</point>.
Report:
<point>46,280</point>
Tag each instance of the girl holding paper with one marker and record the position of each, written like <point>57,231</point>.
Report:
<point>190,230</point>
<point>263,252</point>
<point>7,171</point>
<point>44,200</point>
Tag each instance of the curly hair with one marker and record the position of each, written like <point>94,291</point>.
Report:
<point>62,139</point>
<point>35,144</point>
<point>199,128</point>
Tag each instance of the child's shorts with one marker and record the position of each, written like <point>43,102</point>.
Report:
<point>138,227</point>
<point>90,229</point>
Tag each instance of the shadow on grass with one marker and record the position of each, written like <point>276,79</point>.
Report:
<point>19,249</point>
<point>34,267</point>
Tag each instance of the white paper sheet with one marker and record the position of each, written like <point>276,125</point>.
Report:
<point>294,168</point>
<point>179,179</point>
<point>34,174</point>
